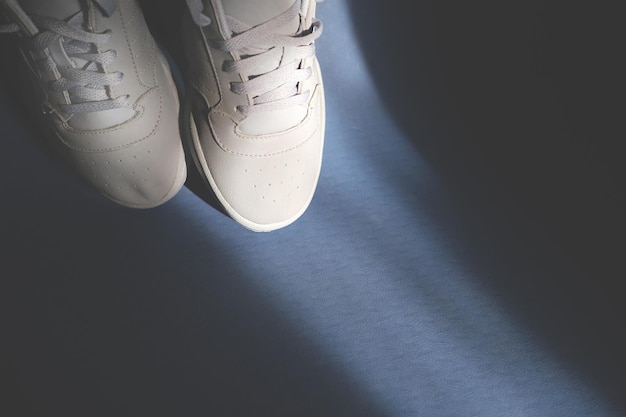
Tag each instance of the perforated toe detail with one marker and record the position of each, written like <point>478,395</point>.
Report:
<point>135,177</point>
<point>265,191</point>
<point>278,183</point>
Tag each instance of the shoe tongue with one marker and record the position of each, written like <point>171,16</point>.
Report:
<point>59,9</point>
<point>257,11</point>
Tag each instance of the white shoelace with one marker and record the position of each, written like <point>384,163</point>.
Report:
<point>272,84</point>
<point>87,85</point>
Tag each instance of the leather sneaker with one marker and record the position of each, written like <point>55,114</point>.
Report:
<point>253,114</point>
<point>106,93</point>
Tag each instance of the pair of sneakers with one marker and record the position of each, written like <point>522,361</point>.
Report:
<point>252,116</point>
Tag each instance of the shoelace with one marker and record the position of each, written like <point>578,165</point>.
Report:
<point>87,85</point>
<point>272,84</point>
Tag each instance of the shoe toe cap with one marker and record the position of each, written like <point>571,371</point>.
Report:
<point>267,193</point>
<point>144,175</point>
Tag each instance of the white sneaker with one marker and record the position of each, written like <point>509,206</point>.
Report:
<point>106,92</point>
<point>254,107</point>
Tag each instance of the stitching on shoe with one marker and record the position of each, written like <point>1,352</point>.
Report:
<point>225,148</point>
<point>121,11</point>
<point>141,113</point>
